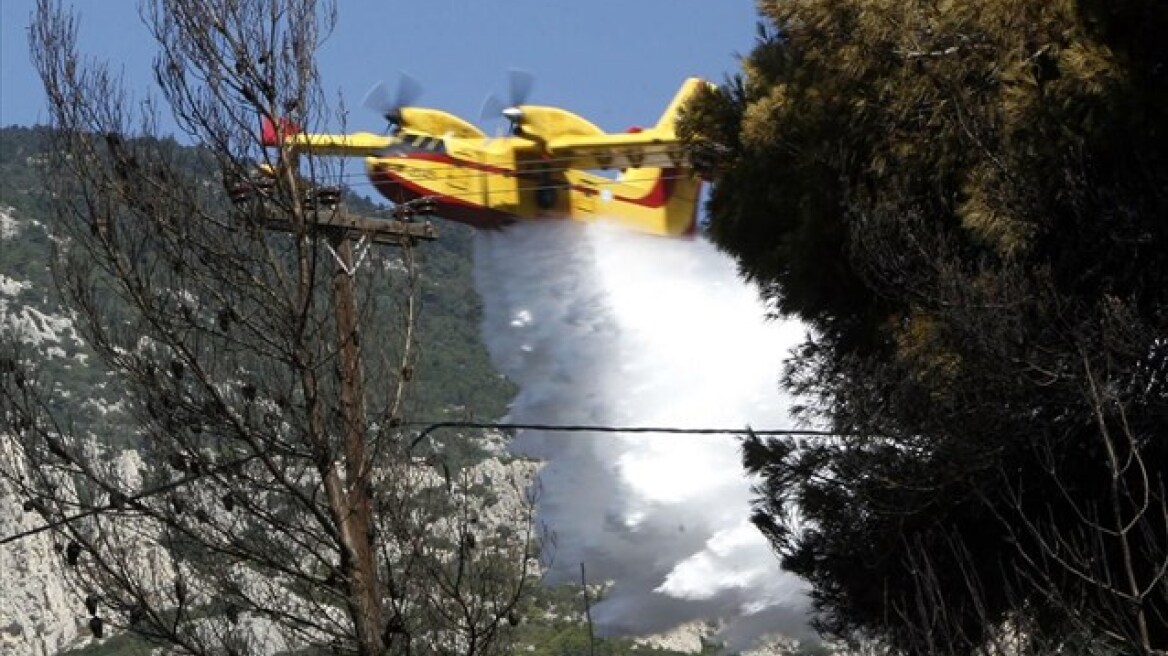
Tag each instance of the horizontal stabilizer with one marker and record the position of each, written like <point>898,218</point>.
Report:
<point>273,133</point>
<point>285,133</point>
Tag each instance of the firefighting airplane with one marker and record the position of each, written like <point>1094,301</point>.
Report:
<point>550,165</point>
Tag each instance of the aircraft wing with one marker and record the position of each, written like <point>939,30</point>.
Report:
<point>285,133</point>
<point>358,144</point>
<point>647,148</point>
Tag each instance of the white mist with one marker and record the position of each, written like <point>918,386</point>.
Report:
<point>600,326</point>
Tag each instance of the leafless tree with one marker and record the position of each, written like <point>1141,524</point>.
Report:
<point>259,494</point>
<point>1089,535</point>
<point>1108,570</point>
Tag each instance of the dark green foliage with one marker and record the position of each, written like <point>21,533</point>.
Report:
<point>23,165</point>
<point>455,369</point>
<point>966,203</point>
<point>455,378</point>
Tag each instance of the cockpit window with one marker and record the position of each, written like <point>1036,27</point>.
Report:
<point>416,143</point>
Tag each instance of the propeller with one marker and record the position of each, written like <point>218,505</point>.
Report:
<point>519,86</point>
<point>388,103</point>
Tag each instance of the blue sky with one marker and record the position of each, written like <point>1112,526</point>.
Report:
<point>616,62</point>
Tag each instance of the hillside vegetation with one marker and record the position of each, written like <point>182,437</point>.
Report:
<point>455,379</point>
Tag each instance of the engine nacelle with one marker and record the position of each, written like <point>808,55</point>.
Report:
<point>438,123</point>
<point>544,123</point>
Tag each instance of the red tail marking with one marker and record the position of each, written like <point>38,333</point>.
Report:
<point>273,133</point>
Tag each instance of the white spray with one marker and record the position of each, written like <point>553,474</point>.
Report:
<point>600,326</point>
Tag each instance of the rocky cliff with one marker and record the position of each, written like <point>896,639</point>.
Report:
<point>38,614</point>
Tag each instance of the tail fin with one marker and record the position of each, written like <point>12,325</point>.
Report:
<point>273,133</point>
<point>688,89</point>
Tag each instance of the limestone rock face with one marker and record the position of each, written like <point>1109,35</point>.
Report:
<point>693,637</point>
<point>39,616</point>
<point>687,638</point>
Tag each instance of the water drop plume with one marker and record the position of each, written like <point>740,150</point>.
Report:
<point>600,326</point>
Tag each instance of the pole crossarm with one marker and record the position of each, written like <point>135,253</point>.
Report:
<point>328,214</point>
<point>392,232</point>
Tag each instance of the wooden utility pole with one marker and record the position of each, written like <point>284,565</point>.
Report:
<point>361,570</point>
<point>352,498</point>
<point>587,612</point>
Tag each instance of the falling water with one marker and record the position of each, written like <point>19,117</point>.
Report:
<point>600,326</point>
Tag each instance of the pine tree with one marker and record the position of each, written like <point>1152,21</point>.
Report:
<point>965,202</point>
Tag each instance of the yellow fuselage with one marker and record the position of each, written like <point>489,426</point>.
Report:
<point>489,183</point>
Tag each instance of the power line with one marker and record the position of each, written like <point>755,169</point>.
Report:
<point>594,428</point>
<point>563,162</point>
<point>430,427</point>
<point>145,494</point>
<point>465,173</point>
<point>522,188</point>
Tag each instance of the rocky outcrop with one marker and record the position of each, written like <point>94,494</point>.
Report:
<point>693,637</point>
<point>39,615</point>
<point>688,638</point>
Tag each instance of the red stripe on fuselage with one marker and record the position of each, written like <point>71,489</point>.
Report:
<point>657,196</point>
<point>400,189</point>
